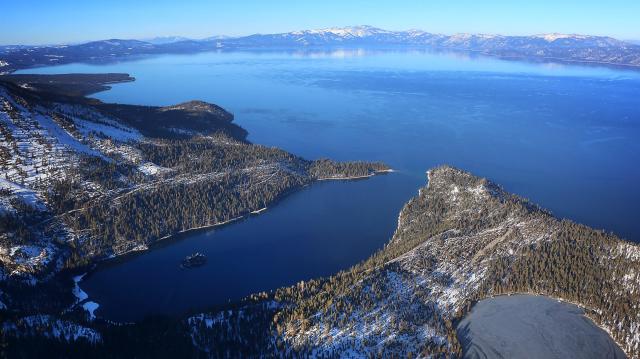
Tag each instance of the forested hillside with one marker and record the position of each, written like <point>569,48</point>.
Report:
<point>80,184</point>
<point>461,239</point>
<point>81,181</point>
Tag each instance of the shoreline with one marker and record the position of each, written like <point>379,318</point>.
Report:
<point>82,298</point>
<point>139,249</point>
<point>146,247</point>
<point>258,211</point>
<point>585,311</point>
<point>200,227</point>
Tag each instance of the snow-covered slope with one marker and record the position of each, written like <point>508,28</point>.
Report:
<point>44,143</point>
<point>461,239</point>
<point>89,180</point>
<point>40,144</point>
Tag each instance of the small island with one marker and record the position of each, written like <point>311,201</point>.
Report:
<point>194,260</point>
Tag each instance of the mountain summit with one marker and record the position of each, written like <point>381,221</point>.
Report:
<point>349,31</point>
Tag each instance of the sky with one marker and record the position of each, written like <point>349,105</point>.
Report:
<point>37,22</point>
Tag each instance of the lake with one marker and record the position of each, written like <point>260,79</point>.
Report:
<point>529,326</point>
<point>566,137</point>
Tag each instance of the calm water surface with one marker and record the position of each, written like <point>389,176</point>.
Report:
<point>567,137</point>
<point>535,327</point>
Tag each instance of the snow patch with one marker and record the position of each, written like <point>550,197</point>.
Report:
<point>555,36</point>
<point>63,137</point>
<point>109,129</point>
<point>26,195</point>
<point>77,291</point>
<point>91,307</point>
<point>150,168</point>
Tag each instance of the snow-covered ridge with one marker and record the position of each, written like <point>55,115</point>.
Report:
<point>467,36</point>
<point>417,36</point>
<point>362,31</point>
<point>349,31</point>
<point>40,143</point>
<point>442,255</point>
<point>427,268</point>
<point>555,36</point>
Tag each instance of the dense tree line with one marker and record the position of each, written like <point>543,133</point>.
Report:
<point>207,180</point>
<point>325,168</point>
<point>215,154</point>
<point>580,265</point>
<point>573,262</point>
<point>110,207</point>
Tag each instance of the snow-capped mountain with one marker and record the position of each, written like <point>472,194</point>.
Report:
<point>369,34</point>
<point>161,40</point>
<point>346,32</point>
<point>556,47</point>
<point>217,37</point>
<point>353,35</point>
<point>548,47</point>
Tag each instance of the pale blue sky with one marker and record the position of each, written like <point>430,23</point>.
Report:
<point>64,21</point>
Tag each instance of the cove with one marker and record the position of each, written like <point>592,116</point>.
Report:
<point>567,137</point>
<point>314,232</point>
<point>529,326</point>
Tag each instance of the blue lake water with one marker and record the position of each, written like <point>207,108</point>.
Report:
<point>567,137</point>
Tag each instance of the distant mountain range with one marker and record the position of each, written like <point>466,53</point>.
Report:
<point>545,47</point>
<point>161,40</point>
